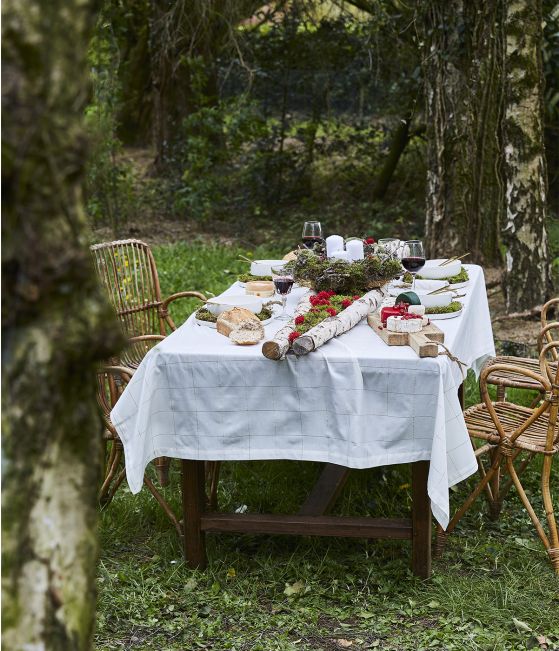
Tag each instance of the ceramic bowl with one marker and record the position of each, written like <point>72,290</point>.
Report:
<point>433,271</point>
<point>434,300</point>
<point>222,303</point>
<point>264,267</point>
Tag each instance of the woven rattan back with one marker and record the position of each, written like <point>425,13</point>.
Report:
<point>127,270</point>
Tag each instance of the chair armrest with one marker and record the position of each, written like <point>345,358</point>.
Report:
<point>189,294</point>
<point>511,368</point>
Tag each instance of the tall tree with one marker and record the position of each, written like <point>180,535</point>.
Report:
<point>55,327</point>
<point>527,280</point>
<point>463,90</point>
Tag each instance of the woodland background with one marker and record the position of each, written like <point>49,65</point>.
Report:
<point>228,123</point>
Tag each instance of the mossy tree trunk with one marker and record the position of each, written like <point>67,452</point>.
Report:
<point>527,279</point>
<point>463,90</point>
<point>56,327</point>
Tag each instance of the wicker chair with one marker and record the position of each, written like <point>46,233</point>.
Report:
<point>111,381</point>
<point>507,378</point>
<point>508,430</point>
<point>128,273</point>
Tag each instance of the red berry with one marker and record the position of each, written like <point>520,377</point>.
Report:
<point>299,320</point>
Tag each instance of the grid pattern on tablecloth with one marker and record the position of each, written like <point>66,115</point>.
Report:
<point>340,404</point>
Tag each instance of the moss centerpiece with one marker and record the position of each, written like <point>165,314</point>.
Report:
<point>313,269</point>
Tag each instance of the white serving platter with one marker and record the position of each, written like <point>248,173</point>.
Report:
<point>444,315</point>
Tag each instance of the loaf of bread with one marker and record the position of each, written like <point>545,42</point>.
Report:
<point>242,326</point>
<point>247,333</point>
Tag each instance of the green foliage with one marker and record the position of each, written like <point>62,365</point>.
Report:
<point>325,274</point>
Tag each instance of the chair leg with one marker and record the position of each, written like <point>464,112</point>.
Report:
<point>440,542</point>
<point>535,520</point>
<point>105,492</point>
<point>162,465</point>
<point>496,503</point>
<point>475,493</point>
<point>553,550</point>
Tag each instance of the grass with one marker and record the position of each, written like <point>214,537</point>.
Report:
<point>492,590</point>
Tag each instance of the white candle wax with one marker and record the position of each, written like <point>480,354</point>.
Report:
<point>341,255</point>
<point>355,249</point>
<point>334,243</point>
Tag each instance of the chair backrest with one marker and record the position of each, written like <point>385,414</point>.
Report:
<point>128,272</point>
<point>554,302</point>
<point>551,372</point>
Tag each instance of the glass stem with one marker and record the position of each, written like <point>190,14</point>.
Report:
<point>283,303</point>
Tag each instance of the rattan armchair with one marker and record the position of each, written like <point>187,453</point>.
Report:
<point>509,378</point>
<point>127,271</point>
<point>507,431</point>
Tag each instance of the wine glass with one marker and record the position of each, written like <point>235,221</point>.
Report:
<point>413,257</point>
<point>390,244</point>
<point>312,234</point>
<point>283,282</point>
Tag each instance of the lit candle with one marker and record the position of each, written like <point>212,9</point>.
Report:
<point>355,249</point>
<point>334,243</point>
<point>341,255</point>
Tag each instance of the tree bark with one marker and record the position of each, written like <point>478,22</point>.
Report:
<point>463,91</point>
<point>55,327</point>
<point>527,275</point>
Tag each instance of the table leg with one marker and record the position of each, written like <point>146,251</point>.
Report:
<point>326,490</point>
<point>193,500</point>
<point>421,520</point>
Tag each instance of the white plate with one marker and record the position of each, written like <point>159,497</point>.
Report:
<point>433,271</point>
<point>444,315</point>
<point>210,324</point>
<point>264,267</point>
<point>459,285</point>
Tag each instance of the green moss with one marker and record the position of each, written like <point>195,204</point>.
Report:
<point>247,278</point>
<point>455,306</point>
<point>204,314</point>
<point>461,277</point>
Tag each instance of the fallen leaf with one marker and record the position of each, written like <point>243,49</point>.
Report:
<point>231,573</point>
<point>521,626</point>
<point>345,644</point>
<point>294,588</point>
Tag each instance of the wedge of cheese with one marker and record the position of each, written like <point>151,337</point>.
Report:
<point>401,324</point>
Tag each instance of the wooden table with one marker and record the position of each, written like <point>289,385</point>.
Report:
<point>311,519</point>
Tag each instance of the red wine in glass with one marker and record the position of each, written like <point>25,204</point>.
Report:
<point>283,284</point>
<point>413,264</point>
<point>413,257</point>
<point>310,240</point>
<point>312,234</point>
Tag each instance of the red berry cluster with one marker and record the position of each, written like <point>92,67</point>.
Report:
<point>293,335</point>
<point>322,298</point>
<point>369,240</point>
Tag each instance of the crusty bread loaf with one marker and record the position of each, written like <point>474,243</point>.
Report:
<point>232,319</point>
<point>247,333</point>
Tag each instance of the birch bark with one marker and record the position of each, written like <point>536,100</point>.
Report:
<point>527,277</point>
<point>55,329</point>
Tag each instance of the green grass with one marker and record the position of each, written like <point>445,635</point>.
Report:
<point>492,590</point>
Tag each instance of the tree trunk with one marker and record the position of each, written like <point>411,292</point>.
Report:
<point>54,326</point>
<point>463,90</point>
<point>400,139</point>
<point>527,278</point>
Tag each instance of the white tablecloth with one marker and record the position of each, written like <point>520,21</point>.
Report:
<point>355,402</point>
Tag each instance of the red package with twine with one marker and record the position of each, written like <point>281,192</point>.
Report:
<point>398,310</point>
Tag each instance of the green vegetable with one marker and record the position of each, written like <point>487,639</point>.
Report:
<point>455,306</point>
<point>247,278</point>
<point>204,314</point>
<point>461,277</point>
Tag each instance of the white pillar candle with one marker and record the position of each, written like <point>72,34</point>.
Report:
<point>355,249</point>
<point>334,243</point>
<point>341,255</point>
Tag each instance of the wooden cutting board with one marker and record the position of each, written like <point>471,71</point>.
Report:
<point>421,342</point>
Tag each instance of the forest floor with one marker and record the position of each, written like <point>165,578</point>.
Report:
<point>492,590</point>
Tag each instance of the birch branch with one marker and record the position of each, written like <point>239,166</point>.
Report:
<point>337,325</point>
<point>277,347</point>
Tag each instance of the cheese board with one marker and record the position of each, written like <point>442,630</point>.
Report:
<point>423,343</point>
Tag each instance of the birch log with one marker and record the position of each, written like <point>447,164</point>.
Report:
<point>277,347</point>
<point>337,325</point>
